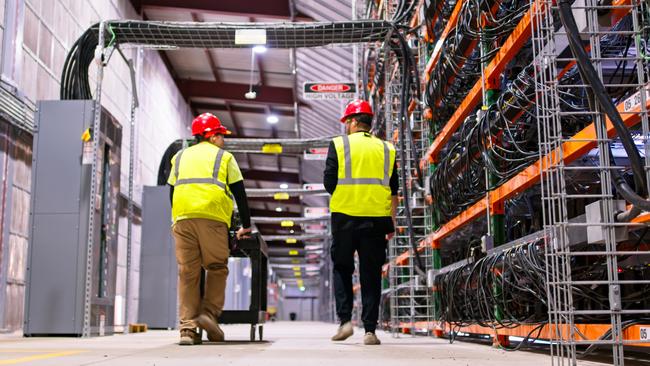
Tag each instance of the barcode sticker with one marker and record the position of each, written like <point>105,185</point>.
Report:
<point>644,333</point>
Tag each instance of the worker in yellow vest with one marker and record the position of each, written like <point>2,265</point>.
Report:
<point>360,175</point>
<point>204,180</point>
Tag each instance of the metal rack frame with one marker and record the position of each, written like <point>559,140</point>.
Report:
<point>565,337</point>
<point>556,153</point>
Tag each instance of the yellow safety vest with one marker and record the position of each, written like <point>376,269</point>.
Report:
<point>365,166</point>
<point>201,184</point>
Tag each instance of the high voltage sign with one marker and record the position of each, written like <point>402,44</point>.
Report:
<point>329,90</point>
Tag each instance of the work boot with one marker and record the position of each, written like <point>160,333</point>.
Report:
<point>371,339</point>
<point>209,324</point>
<point>344,332</point>
<point>189,337</point>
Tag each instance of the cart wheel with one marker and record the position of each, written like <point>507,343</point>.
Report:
<point>252,332</point>
<point>260,330</point>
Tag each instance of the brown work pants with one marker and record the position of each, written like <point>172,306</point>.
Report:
<point>200,243</point>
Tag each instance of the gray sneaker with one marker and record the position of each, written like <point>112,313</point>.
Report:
<point>371,339</point>
<point>344,332</point>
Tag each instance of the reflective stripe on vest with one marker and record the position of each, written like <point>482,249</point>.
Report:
<point>348,167</point>
<point>215,172</point>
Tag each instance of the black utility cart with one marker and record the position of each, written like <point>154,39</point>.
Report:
<point>254,248</point>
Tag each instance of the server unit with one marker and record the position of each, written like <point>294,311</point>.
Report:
<point>158,268</point>
<point>61,173</point>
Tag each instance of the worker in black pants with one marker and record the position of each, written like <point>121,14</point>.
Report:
<point>360,174</point>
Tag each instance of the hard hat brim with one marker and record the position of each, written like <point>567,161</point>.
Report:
<point>344,118</point>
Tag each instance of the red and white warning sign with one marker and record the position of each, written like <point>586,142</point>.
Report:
<point>316,153</point>
<point>329,90</point>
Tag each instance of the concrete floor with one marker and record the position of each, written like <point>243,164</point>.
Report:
<point>299,343</point>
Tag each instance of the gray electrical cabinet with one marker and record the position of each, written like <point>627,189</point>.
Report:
<point>158,269</point>
<point>61,173</point>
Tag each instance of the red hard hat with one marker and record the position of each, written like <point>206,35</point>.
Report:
<point>357,106</point>
<point>207,124</point>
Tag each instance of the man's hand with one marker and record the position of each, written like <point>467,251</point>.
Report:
<point>242,233</point>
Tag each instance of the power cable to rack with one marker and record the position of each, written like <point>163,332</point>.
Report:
<point>591,78</point>
<point>402,50</point>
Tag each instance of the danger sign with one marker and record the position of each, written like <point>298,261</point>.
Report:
<point>329,90</point>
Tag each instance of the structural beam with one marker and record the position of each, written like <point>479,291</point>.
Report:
<point>266,9</point>
<point>240,109</point>
<point>235,92</point>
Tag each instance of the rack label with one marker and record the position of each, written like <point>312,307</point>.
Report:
<point>644,333</point>
<point>634,101</point>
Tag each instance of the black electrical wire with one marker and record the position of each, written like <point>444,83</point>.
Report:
<point>508,288</point>
<point>459,179</point>
<point>403,111</point>
<point>444,97</point>
<point>402,12</point>
<point>591,78</point>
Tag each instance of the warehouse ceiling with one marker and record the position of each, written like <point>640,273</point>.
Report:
<point>215,80</point>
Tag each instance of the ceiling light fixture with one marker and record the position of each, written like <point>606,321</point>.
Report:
<point>259,49</point>
<point>272,119</point>
<point>284,186</point>
<point>278,209</point>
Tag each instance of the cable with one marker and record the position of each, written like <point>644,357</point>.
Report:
<point>401,119</point>
<point>591,78</point>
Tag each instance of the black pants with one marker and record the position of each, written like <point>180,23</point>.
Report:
<point>371,248</point>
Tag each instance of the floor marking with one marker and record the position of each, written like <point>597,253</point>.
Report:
<point>45,356</point>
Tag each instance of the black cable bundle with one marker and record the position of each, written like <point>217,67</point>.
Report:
<point>454,62</point>
<point>503,290</point>
<point>590,76</point>
<point>507,289</point>
<point>404,12</point>
<point>459,180</point>
<point>74,80</point>
<point>210,35</point>
<point>502,140</point>
<point>410,78</point>
<point>436,14</point>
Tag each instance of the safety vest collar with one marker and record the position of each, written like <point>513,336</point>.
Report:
<point>349,180</point>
